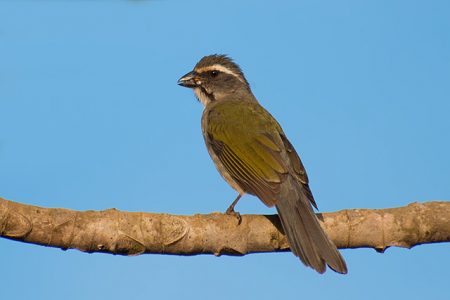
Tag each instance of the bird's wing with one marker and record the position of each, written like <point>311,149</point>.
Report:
<point>250,145</point>
<point>299,171</point>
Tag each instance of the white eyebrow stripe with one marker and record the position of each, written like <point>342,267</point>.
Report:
<point>220,68</point>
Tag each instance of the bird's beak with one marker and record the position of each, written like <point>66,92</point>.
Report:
<point>188,80</point>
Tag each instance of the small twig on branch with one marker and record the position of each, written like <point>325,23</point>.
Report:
<point>133,233</point>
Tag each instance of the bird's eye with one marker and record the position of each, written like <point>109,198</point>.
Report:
<point>214,73</point>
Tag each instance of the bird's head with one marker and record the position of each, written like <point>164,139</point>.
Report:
<point>215,78</point>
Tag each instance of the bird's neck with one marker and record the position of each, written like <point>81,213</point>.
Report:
<point>239,94</point>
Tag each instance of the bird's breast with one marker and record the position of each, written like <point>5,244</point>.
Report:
<point>219,166</point>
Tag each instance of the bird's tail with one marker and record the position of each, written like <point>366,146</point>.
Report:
<point>306,237</point>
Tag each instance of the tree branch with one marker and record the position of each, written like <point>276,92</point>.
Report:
<point>133,233</point>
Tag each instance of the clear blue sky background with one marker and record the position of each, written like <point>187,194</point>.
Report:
<point>92,118</point>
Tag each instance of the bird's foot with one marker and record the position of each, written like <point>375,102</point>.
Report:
<point>231,212</point>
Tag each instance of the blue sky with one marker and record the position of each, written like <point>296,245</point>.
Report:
<point>92,118</point>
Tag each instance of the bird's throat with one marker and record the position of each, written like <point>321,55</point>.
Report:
<point>203,96</point>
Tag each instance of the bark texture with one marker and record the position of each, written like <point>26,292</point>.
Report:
<point>133,233</point>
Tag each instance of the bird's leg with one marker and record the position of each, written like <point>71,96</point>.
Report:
<point>231,211</point>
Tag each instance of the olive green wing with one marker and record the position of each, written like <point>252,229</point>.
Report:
<point>246,139</point>
<point>253,149</point>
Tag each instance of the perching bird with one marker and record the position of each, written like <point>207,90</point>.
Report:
<point>252,153</point>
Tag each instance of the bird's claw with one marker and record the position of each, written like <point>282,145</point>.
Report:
<point>231,212</point>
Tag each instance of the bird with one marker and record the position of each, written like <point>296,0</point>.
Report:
<point>252,153</point>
